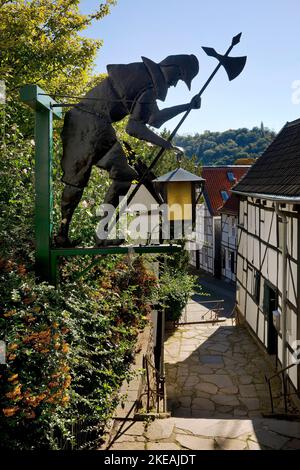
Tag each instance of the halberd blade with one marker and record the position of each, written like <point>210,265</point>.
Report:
<point>211,52</point>
<point>236,39</point>
<point>233,66</point>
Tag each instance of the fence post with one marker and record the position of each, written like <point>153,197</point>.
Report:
<point>36,98</point>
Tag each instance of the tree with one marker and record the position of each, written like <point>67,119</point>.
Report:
<point>40,43</point>
<point>216,148</point>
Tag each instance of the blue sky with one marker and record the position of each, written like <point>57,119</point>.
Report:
<point>271,39</point>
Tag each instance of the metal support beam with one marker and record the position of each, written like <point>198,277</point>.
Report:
<point>33,96</point>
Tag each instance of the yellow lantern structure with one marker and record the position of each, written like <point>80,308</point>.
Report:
<point>181,191</point>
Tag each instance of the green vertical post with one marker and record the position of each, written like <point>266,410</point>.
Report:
<point>37,99</point>
<point>43,192</point>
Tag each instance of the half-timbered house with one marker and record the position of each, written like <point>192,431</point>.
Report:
<point>229,221</point>
<point>206,249</point>
<point>268,264</point>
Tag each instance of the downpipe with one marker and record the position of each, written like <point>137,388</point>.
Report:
<point>283,217</point>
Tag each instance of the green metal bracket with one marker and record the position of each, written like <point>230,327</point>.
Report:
<point>36,98</point>
<point>56,253</point>
<point>46,256</point>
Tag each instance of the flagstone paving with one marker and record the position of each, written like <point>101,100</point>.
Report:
<point>217,396</point>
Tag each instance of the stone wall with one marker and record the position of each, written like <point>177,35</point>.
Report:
<point>132,394</point>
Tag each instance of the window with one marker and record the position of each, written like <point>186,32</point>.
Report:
<point>232,262</point>
<point>256,287</point>
<point>225,195</point>
<point>280,234</point>
<point>223,259</point>
<point>205,256</point>
<point>233,225</point>
<point>231,177</point>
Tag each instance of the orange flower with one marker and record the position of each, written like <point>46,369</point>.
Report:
<point>13,377</point>
<point>65,348</point>
<point>15,393</point>
<point>10,313</point>
<point>13,346</point>
<point>28,300</point>
<point>30,414</point>
<point>11,357</point>
<point>30,319</point>
<point>10,411</point>
<point>21,269</point>
<point>55,324</point>
<point>68,381</point>
<point>53,384</point>
<point>34,400</point>
<point>54,376</point>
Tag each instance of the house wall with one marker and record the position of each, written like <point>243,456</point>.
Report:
<point>202,249</point>
<point>259,263</point>
<point>228,246</point>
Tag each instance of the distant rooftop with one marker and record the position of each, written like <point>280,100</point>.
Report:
<point>231,206</point>
<point>218,184</point>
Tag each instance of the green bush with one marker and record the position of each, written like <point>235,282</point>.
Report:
<point>176,289</point>
<point>68,351</point>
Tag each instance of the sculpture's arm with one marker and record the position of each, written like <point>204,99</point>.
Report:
<point>159,117</point>
<point>146,111</point>
<point>139,130</point>
<point>139,117</point>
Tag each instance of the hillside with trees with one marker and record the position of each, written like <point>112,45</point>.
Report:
<point>224,148</point>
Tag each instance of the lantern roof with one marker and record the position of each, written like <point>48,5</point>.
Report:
<point>178,175</point>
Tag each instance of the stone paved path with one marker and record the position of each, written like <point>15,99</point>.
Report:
<point>216,393</point>
<point>216,371</point>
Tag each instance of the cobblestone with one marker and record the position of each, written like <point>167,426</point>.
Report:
<point>217,395</point>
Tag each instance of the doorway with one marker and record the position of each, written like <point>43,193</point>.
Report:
<point>271,304</point>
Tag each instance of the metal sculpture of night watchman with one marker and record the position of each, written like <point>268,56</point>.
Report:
<point>89,138</point>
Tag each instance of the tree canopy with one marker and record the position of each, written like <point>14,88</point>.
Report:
<point>224,148</point>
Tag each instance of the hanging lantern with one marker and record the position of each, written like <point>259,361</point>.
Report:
<point>181,191</point>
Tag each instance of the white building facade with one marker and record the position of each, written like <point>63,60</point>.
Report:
<point>268,264</point>
<point>206,251</point>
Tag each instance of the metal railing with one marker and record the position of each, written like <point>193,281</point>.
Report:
<point>214,309</point>
<point>285,386</point>
<point>152,387</point>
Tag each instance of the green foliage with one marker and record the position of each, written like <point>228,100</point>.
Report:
<point>68,351</point>
<point>175,292</point>
<point>176,285</point>
<point>148,152</point>
<point>224,148</point>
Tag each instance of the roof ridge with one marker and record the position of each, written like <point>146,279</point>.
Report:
<point>293,123</point>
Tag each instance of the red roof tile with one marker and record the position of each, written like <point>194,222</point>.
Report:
<point>231,206</point>
<point>216,180</point>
